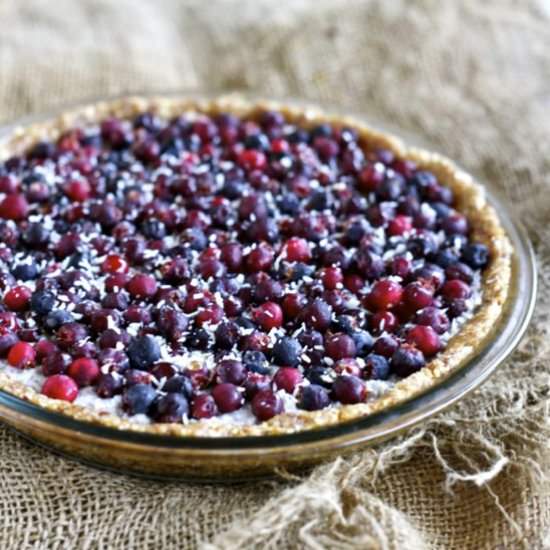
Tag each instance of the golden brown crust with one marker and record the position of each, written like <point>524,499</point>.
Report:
<point>486,228</point>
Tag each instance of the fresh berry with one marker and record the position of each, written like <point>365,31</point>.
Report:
<point>22,355</point>
<point>425,338</point>
<point>287,379</point>
<point>349,389</point>
<point>84,371</point>
<point>340,346</point>
<point>268,315</point>
<point>385,294</point>
<point>266,405</point>
<point>314,398</point>
<point>407,360</point>
<point>143,351</point>
<point>377,367</point>
<point>455,289</point>
<point>204,406</point>
<point>287,352</point>
<point>172,407</point>
<point>138,399</point>
<point>60,387</point>
<point>18,298</point>
<point>228,398</point>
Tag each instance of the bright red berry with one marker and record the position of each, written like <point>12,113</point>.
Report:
<point>340,346</point>
<point>425,339</point>
<point>332,277</point>
<point>287,378</point>
<point>251,159</point>
<point>21,355</point>
<point>371,177</point>
<point>84,371</point>
<point>78,190</point>
<point>297,250</point>
<point>385,294</point>
<point>293,304</point>
<point>14,207</point>
<point>418,295</point>
<point>383,321</point>
<point>400,225</point>
<point>114,264</point>
<point>268,315</point>
<point>266,404</point>
<point>142,286</point>
<point>18,298</point>
<point>455,289</point>
<point>60,386</point>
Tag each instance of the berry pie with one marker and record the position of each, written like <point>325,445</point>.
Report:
<point>225,268</point>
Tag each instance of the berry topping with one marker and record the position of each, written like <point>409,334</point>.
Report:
<point>200,264</point>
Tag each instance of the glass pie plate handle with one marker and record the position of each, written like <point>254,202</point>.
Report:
<point>239,458</point>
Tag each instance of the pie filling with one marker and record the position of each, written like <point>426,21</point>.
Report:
<point>217,266</point>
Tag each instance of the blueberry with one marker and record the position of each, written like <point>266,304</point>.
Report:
<point>314,397</point>
<point>441,209</point>
<point>423,245</point>
<point>406,360</point>
<point>57,318</point>
<point>196,238</point>
<point>301,270</point>
<point>198,339</point>
<point>42,302</point>
<point>25,272</point>
<point>356,231</point>
<point>172,407</point>
<point>319,376</point>
<point>377,367</point>
<point>363,342</point>
<point>423,179</point>
<point>289,204</point>
<point>319,200</point>
<point>321,130</point>
<point>256,361</point>
<point>343,323</point>
<point>287,351</point>
<point>78,259</point>
<point>256,141</point>
<point>227,335</point>
<point>179,384</point>
<point>475,255</point>
<point>232,189</point>
<point>137,399</point>
<point>446,257</point>
<point>143,351</point>
<point>36,234</point>
<point>391,188</point>
<point>153,229</point>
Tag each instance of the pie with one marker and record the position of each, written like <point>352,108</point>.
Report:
<point>229,268</point>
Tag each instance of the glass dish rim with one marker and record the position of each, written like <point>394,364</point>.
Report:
<point>372,428</point>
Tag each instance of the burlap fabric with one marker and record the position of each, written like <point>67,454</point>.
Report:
<point>472,77</point>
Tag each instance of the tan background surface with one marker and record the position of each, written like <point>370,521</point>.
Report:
<point>472,77</point>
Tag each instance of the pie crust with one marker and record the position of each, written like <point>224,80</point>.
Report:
<point>470,200</point>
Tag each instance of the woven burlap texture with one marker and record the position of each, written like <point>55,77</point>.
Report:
<point>471,77</point>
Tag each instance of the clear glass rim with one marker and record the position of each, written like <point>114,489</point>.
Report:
<point>372,428</point>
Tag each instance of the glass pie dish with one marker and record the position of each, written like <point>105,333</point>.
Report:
<point>163,454</point>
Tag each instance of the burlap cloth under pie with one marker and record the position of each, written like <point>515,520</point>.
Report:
<point>472,77</point>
